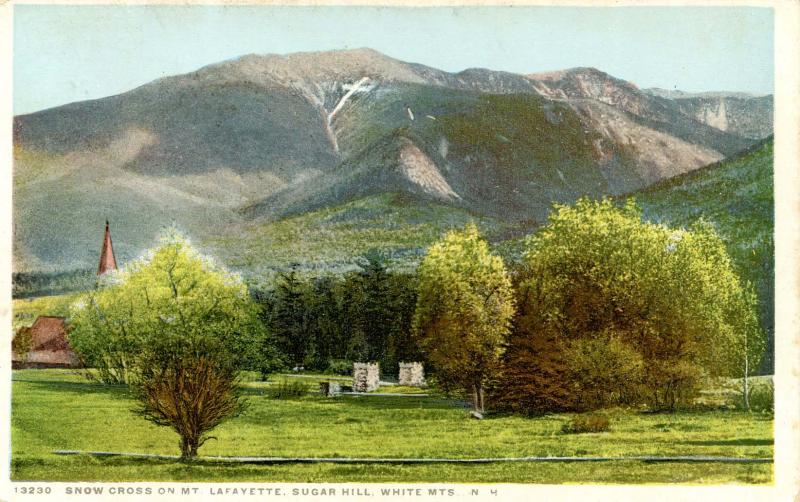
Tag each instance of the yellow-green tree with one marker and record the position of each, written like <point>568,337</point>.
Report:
<point>177,328</point>
<point>668,301</point>
<point>172,292</point>
<point>464,308</point>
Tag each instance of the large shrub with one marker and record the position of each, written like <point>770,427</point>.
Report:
<point>603,371</point>
<point>285,389</point>
<point>189,387</point>
<point>761,398</point>
<point>626,311</point>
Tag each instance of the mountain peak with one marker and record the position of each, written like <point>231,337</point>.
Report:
<point>587,70</point>
<point>579,73</point>
<point>287,134</point>
<point>583,82</point>
<point>323,66</point>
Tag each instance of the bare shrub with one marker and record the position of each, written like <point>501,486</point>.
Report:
<point>191,393</point>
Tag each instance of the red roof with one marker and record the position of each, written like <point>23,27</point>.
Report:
<point>49,333</point>
<point>107,260</point>
<point>49,346</point>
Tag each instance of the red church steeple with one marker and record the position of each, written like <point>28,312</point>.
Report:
<point>107,260</point>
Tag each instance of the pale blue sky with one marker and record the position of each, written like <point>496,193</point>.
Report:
<point>71,53</point>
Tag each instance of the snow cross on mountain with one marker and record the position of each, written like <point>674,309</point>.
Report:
<point>357,87</point>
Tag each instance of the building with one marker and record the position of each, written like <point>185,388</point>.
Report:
<point>46,339</point>
<point>48,347</point>
<point>107,260</point>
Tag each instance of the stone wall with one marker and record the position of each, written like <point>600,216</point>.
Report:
<point>366,377</point>
<point>412,375</point>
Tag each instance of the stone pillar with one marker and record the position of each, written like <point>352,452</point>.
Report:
<point>412,374</point>
<point>366,377</point>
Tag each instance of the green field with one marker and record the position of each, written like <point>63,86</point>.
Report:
<point>26,310</point>
<point>56,409</point>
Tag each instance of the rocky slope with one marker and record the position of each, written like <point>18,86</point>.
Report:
<point>742,114</point>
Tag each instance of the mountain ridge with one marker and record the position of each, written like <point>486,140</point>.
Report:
<point>264,137</point>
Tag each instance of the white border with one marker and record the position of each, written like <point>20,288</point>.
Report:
<point>787,285</point>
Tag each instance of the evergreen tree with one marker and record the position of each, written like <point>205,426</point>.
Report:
<point>402,303</point>
<point>375,313</point>
<point>289,319</point>
<point>327,323</point>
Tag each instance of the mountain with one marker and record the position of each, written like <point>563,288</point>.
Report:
<point>739,113</point>
<point>236,151</point>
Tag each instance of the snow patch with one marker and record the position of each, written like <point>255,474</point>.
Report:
<point>352,90</point>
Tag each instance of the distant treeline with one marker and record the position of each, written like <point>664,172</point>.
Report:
<point>29,284</point>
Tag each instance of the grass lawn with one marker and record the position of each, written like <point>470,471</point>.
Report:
<point>26,310</point>
<point>55,409</point>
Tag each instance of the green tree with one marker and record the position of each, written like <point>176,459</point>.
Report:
<point>402,302</point>
<point>352,297</point>
<point>379,311</point>
<point>290,321</point>
<point>668,303</point>
<point>752,344</point>
<point>21,343</point>
<point>532,380</point>
<point>364,315</point>
<point>375,313</point>
<point>172,290</point>
<point>169,324</point>
<point>464,308</point>
<point>328,326</point>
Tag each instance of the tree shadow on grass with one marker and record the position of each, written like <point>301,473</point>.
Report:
<point>731,442</point>
<point>18,464</point>
<point>397,403</point>
<point>377,403</point>
<point>21,466</point>
<point>252,392</point>
<point>81,388</point>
